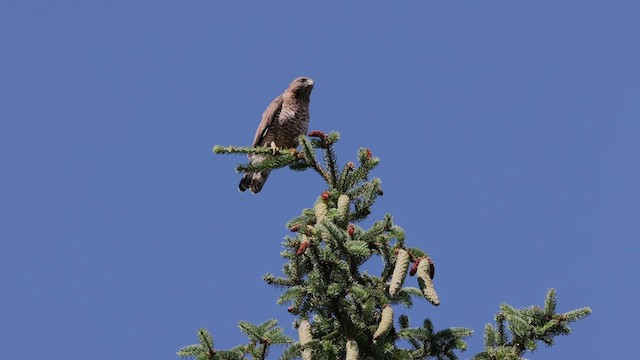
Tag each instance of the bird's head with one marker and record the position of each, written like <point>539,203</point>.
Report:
<point>301,87</point>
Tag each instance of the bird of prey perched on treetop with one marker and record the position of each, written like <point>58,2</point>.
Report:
<point>286,118</point>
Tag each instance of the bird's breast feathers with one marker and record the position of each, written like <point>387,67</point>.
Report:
<point>286,114</point>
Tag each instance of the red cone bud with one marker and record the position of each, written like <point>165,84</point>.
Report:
<point>414,267</point>
<point>351,229</point>
<point>295,227</point>
<point>432,269</point>
<point>325,195</point>
<point>318,134</point>
<point>369,154</point>
<point>303,247</point>
<point>309,231</point>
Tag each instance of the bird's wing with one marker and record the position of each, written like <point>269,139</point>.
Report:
<point>270,114</point>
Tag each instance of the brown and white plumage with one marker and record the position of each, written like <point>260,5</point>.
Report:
<point>286,118</point>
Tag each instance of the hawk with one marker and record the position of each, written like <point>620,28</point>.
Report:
<point>286,118</point>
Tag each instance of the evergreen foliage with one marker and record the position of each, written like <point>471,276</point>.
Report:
<point>346,313</point>
<point>527,327</point>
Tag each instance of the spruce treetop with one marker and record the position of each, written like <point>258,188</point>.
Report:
<point>343,312</point>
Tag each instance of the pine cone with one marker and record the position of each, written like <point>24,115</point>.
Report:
<point>321,210</point>
<point>343,209</point>
<point>304,333</point>
<point>399,272</point>
<point>353,352</point>
<point>386,322</point>
<point>426,285</point>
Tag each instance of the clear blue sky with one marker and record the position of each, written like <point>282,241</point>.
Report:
<point>508,133</point>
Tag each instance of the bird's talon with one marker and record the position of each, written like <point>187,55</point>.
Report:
<point>274,148</point>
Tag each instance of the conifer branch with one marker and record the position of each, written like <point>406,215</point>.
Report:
<point>330,160</point>
<point>310,158</point>
<point>526,327</point>
<point>219,149</point>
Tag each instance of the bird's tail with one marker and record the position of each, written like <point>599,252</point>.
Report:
<point>254,181</point>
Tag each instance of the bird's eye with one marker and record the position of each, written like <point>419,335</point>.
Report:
<point>302,80</point>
